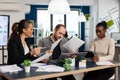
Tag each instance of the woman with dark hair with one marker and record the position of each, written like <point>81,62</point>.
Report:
<point>14,30</point>
<point>18,47</point>
<point>104,49</point>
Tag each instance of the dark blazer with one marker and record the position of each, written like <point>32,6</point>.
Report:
<point>16,51</point>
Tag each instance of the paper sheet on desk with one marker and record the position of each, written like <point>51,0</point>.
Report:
<point>50,68</point>
<point>73,44</point>
<point>104,63</point>
<point>47,55</point>
<point>10,68</point>
<point>37,64</point>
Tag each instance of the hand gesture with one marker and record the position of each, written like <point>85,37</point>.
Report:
<point>35,51</point>
<point>49,51</point>
<point>95,58</point>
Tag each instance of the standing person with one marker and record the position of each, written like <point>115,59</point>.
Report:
<point>47,42</point>
<point>18,47</point>
<point>104,49</point>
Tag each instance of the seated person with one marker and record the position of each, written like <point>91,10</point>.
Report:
<point>104,49</point>
<point>18,47</point>
<point>47,42</point>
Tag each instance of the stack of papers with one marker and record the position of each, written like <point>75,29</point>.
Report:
<point>50,68</point>
<point>104,63</point>
<point>10,68</point>
<point>73,44</point>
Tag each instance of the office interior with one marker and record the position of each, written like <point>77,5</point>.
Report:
<point>44,23</point>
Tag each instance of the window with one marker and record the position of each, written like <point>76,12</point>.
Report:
<point>57,19</point>
<point>72,23</point>
<point>46,22</point>
<point>43,23</point>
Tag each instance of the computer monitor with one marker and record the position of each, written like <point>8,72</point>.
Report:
<point>4,29</point>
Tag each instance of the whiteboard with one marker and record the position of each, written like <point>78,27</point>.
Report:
<point>4,29</point>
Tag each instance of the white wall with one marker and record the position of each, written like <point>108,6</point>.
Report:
<point>71,2</point>
<point>15,15</point>
<point>102,11</point>
<point>105,6</point>
<point>109,10</point>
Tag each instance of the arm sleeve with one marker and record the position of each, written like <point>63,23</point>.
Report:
<point>92,47</point>
<point>111,52</point>
<point>41,44</point>
<point>15,56</point>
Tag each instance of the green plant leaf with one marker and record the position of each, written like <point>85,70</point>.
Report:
<point>27,62</point>
<point>67,60</point>
<point>87,16</point>
<point>110,23</point>
<point>67,66</point>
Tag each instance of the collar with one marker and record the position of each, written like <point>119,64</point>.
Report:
<point>102,38</point>
<point>50,39</point>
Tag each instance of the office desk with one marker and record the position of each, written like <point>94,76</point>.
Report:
<point>75,70</point>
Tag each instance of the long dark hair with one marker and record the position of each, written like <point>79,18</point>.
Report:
<point>14,30</point>
<point>23,24</point>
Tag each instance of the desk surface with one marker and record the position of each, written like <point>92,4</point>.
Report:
<point>117,45</point>
<point>43,75</point>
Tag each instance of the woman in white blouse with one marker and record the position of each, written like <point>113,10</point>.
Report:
<point>104,49</point>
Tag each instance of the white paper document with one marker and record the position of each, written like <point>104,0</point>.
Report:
<point>104,63</point>
<point>10,68</point>
<point>55,44</point>
<point>45,56</point>
<point>73,44</point>
<point>50,68</point>
<point>37,64</point>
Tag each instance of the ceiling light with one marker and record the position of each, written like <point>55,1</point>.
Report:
<point>58,7</point>
<point>82,17</point>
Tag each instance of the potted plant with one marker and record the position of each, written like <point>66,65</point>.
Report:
<point>67,63</point>
<point>27,64</point>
